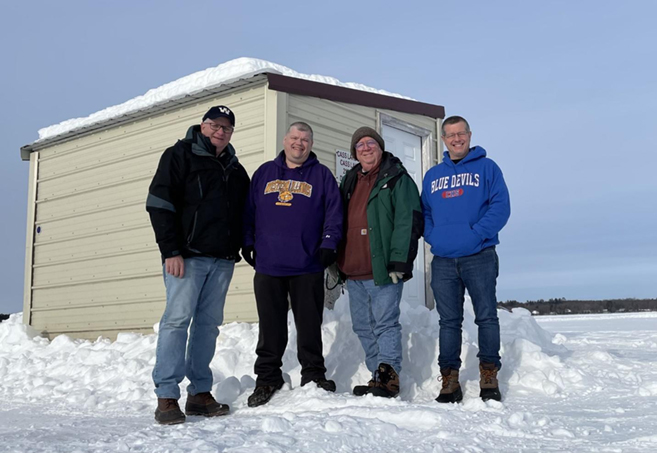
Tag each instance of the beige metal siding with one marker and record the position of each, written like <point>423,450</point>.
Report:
<point>29,236</point>
<point>334,123</point>
<point>96,268</point>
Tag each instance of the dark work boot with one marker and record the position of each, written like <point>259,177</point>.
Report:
<point>204,404</point>
<point>262,394</point>
<point>490,389</point>
<point>168,412</point>
<point>323,383</point>
<point>451,391</point>
<point>361,390</point>
<point>386,382</point>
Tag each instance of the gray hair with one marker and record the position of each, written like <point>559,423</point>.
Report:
<point>301,126</point>
<point>453,120</point>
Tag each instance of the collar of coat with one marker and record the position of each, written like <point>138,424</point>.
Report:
<point>202,146</point>
<point>390,167</point>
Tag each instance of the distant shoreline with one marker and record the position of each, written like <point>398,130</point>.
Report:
<point>564,306</point>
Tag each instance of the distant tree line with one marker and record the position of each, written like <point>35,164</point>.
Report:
<point>3,317</point>
<point>563,306</point>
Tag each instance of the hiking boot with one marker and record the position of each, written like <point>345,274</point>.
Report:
<point>386,383</point>
<point>204,404</point>
<point>451,391</point>
<point>361,390</point>
<point>323,383</point>
<point>168,412</point>
<point>262,394</point>
<point>490,389</point>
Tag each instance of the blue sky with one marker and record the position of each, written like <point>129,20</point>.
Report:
<point>562,95</point>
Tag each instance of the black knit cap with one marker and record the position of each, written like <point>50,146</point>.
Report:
<point>365,132</point>
<point>220,111</point>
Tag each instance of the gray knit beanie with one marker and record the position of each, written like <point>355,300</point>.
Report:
<point>365,132</point>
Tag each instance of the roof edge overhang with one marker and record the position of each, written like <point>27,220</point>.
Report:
<point>160,107</point>
<point>336,93</point>
<point>275,82</point>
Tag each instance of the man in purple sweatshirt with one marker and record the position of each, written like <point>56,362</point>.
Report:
<point>293,225</point>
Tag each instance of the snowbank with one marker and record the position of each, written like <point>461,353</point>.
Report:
<point>107,374</point>
<point>590,387</point>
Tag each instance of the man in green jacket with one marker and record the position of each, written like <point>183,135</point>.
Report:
<point>383,223</point>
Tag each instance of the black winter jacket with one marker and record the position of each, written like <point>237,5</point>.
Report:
<point>196,200</point>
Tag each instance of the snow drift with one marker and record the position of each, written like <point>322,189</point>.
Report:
<point>112,374</point>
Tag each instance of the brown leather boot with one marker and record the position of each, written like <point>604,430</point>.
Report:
<point>490,389</point>
<point>451,391</point>
<point>204,404</point>
<point>387,382</point>
<point>168,412</point>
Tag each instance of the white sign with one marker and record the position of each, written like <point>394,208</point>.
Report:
<point>343,163</point>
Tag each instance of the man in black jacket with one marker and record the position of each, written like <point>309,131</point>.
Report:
<point>196,202</point>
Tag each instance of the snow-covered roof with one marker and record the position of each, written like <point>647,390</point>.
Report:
<point>209,79</point>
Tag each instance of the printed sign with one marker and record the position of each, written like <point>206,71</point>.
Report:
<point>343,163</point>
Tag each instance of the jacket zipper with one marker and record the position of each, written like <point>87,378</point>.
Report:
<point>225,178</point>
<point>191,234</point>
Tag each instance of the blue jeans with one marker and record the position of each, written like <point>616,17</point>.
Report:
<point>450,277</point>
<point>201,295</point>
<point>375,319</point>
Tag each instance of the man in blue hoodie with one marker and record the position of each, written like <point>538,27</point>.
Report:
<point>465,203</point>
<point>292,228</point>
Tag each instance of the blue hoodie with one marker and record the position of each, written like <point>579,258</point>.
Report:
<point>465,205</point>
<point>292,213</point>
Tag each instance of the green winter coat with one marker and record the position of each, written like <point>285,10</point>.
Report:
<point>394,218</point>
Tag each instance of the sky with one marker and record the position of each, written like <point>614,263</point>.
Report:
<point>561,94</point>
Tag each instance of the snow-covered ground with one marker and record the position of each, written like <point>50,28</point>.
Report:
<point>570,384</point>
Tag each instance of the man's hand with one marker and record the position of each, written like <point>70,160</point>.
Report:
<point>327,257</point>
<point>249,255</point>
<point>175,266</point>
<point>396,277</point>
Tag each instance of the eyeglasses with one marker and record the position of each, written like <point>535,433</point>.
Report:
<point>361,145</point>
<point>215,127</point>
<point>460,134</point>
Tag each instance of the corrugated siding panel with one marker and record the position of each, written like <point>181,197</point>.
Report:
<point>333,123</point>
<point>96,265</point>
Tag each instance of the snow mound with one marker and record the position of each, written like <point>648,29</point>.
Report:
<point>590,387</point>
<point>113,375</point>
<point>211,78</point>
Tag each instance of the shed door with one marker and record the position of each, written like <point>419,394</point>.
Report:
<point>408,148</point>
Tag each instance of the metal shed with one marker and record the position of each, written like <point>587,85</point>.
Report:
<point>92,267</point>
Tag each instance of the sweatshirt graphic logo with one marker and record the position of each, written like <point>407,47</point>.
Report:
<point>452,193</point>
<point>454,181</point>
<point>287,189</point>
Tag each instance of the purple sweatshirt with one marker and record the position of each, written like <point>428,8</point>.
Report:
<point>292,213</point>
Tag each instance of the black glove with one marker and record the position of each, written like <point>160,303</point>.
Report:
<point>327,257</point>
<point>249,255</point>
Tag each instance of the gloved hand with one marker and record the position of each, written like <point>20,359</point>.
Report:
<point>327,257</point>
<point>249,255</point>
<point>396,277</point>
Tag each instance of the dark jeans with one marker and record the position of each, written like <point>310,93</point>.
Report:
<point>450,277</point>
<point>306,297</point>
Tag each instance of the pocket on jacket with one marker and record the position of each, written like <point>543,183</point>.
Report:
<point>285,252</point>
<point>455,240</point>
